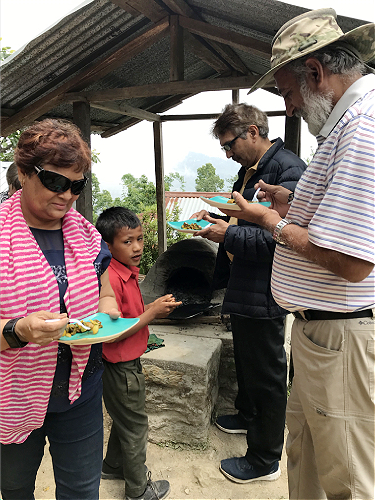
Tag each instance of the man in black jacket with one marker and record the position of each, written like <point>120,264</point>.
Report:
<point>244,265</point>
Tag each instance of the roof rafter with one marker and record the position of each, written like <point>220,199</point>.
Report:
<point>126,109</point>
<point>182,8</point>
<point>167,88</point>
<point>223,35</point>
<point>160,107</point>
<point>148,8</point>
<point>203,50</point>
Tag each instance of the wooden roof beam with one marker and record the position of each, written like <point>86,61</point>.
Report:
<point>87,76</point>
<point>148,8</point>
<point>228,37</point>
<point>154,12</point>
<point>182,8</point>
<point>126,109</point>
<point>164,89</point>
<point>177,50</point>
<point>160,107</point>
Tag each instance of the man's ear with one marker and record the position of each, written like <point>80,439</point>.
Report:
<point>316,76</point>
<point>109,246</point>
<point>253,131</point>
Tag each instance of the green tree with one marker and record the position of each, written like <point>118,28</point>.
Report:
<point>229,182</point>
<point>150,235</point>
<point>8,145</point>
<point>5,52</point>
<point>138,193</point>
<point>101,200</point>
<point>171,178</point>
<point>207,179</point>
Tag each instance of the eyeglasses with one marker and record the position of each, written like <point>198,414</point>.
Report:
<point>59,183</point>
<point>229,145</point>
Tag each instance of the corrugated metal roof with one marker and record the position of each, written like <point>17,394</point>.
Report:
<point>65,58</point>
<point>190,202</point>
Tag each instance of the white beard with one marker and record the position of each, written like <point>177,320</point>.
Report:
<point>316,108</point>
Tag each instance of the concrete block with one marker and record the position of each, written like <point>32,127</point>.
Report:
<point>227,378</point>
<point>181,387</point>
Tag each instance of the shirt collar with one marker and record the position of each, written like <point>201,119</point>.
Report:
<point>125,272</point>
<point>357,90</point>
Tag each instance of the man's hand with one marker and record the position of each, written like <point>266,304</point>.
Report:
<point>216,232</point>
<point>254,212</point>
<point>277,195</point>
<point>200,215</point>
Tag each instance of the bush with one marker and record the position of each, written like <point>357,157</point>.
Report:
<point>150,235</point>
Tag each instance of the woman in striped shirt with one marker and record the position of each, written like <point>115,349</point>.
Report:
<point>53,265</point>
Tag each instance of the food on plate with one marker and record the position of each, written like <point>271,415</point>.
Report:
<point>194,225</point>
<point>231,200</point>
<point>73,328</point>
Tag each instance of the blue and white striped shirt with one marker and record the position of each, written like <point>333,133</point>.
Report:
<point>334,199</point>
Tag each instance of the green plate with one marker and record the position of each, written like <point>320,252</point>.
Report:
<point>178,225</point>
<point>222,202</point>
<point>112,328</point>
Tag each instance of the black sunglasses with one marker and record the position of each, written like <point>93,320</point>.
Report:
<point>59,183</point>
<point>229,145</point>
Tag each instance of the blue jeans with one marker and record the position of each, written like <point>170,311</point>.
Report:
<point>76,446</point>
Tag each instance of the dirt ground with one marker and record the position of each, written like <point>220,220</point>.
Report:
<point>193,474</point>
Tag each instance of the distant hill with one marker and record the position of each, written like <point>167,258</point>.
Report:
<point>188,169</point>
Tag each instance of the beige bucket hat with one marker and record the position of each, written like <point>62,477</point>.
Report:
<point>310,32</point>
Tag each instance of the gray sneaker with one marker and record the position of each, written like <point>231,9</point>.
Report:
<point>155,490</point>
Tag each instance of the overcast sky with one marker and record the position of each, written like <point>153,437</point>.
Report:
<point>131,151</point>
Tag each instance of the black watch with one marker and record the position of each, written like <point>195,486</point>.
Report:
<point>10,335</point>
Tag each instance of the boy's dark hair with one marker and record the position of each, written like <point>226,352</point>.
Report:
<point>112,220</point>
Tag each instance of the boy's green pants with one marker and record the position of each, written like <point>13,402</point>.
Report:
<point>124,398</point>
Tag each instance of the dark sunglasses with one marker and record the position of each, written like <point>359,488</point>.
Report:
<point>229,145</point>
<point>59,183</point>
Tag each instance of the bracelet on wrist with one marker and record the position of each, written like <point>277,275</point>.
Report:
<point>278,229</point>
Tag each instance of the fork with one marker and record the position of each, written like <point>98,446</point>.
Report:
<point>71,320</point>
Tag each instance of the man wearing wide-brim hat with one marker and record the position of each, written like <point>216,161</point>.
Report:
<point>323,268</point>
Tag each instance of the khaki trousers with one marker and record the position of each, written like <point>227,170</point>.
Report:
<point>330,412</point>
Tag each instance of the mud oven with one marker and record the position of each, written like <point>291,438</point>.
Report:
<point>192,378</point>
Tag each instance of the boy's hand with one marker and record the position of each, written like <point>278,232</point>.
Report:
<point>112,313</point>
<point>164,305</point>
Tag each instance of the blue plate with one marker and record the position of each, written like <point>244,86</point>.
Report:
<point>112,328</point>
<point>178,225</point>
<point>222,202</point>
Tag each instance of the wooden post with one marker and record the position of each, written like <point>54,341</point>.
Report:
<point>177,49</point>
<point>235,96</point>
<point>81,117</point>
<point>293,134</point>
<point>160,191</point>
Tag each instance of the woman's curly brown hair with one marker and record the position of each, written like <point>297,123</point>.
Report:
<point>53,142</point>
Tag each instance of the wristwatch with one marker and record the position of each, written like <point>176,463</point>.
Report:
<point>10,335</point>
<point>278,228</point>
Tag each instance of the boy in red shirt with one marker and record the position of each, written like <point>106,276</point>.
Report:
<point>123,380</point>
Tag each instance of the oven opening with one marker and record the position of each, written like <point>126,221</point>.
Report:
<point>188,285</point>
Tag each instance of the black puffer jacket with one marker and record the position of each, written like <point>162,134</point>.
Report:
<point>248,288</point>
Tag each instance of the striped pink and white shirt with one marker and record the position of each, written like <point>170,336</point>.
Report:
<point>335,200</point>
<point>27,284</point>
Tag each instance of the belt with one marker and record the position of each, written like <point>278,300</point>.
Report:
<point>312,314</point>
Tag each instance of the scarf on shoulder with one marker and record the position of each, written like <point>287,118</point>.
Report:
<point>27,284</point>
